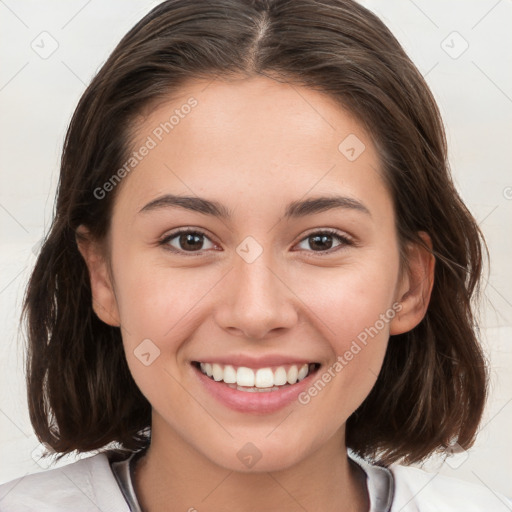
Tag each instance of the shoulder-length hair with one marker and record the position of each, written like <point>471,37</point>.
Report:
<point>431,390</point>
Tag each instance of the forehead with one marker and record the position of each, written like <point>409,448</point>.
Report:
<point>248,139</point>
<point>251,113</point>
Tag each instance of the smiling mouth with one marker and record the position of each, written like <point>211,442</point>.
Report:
<point>257,380</point>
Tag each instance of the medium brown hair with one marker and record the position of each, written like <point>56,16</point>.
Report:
<point>432,386</point>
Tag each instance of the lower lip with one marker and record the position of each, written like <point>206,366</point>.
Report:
<point>254,402</point>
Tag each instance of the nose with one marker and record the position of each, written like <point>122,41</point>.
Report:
<point>257,302</point>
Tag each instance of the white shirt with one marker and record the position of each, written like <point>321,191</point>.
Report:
<point>102,483</point>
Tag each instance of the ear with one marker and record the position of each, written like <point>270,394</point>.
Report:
<point>104,301</point>
<point>415,286</point>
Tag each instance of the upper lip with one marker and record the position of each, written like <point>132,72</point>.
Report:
<point>256,362</point>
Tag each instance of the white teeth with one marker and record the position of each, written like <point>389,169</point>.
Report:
<point>207,368</point>
<point>249,390</point>
<point>280,376</point>
<point>304,369</point>
<point>229,375</point>
<point>292,375</point>
<point>245,377</point>
<point>253,389</point>
<point>263,379</point>
<point>217,372</point>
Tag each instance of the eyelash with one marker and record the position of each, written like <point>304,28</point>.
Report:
<point>345,241</point>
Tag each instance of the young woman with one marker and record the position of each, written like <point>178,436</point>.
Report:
<point>255,293</point>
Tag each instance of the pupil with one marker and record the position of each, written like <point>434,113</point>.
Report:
<point>190,239</point>
<point>323,240</point>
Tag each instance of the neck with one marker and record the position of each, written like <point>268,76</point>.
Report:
<point>174,473</point>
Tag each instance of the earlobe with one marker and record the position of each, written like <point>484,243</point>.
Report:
<point>416,286</point>
<point>104,301</point>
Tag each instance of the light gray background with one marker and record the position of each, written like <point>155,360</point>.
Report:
<point>38,96</point>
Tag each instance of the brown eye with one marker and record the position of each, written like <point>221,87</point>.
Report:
<point>186,241</point>
<point>323,241</point>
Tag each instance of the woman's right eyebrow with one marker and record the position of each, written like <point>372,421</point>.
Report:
<point>295,209</point>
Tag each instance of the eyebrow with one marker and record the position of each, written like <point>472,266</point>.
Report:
<point>295,209</point>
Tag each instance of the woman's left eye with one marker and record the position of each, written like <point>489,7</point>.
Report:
<point>321,239</point>
<point>193,241</point>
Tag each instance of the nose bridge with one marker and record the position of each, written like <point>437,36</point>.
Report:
<point>256,279</point>
<point>257,301</point>
<point>253,263</point>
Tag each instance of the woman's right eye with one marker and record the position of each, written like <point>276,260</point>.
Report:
<point>185,241</point>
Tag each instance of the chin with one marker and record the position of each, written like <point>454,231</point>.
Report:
<point>259,456</point>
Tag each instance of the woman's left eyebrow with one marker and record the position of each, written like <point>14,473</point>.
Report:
<point>295,209</point>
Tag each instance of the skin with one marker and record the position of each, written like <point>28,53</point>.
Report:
<point>253,145</point>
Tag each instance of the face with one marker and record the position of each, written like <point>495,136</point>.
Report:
<point>261,281</point>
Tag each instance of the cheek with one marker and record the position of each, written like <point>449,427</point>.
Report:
<point>160,309</point>
<point>349,300</point>
<point>154,298</point>
<point>360,313</point>
<point>354,309</point>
